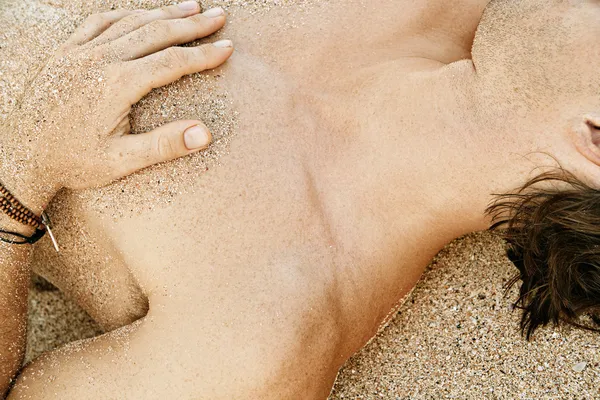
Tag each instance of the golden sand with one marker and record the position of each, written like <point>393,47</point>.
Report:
<point>454,337</point>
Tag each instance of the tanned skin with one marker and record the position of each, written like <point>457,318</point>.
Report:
<point>70,129</point>
<point>368,138</point>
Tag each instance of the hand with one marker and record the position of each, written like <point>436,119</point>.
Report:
<point>72,130</point>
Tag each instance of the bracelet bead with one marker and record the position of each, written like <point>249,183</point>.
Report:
<point>17,211</point>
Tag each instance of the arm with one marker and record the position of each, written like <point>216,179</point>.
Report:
<point>71,129</point>
<point>14,284</point>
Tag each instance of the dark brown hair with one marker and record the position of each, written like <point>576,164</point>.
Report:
<point>552,229</point>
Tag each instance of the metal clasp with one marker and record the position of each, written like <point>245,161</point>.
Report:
<point>48,225</point>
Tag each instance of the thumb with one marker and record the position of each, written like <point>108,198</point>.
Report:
<point>170,141</point>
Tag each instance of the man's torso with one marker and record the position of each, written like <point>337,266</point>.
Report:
<point>274,248</point>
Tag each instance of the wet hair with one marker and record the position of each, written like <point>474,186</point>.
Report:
<point>552,230</point>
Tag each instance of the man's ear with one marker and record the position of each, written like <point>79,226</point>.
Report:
<point>585,132</point>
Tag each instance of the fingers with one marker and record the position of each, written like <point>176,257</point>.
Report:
<point>131,153</point>
<point>95,24</point>
<point>160,34</point>
<point>133,22</point>
<point>167,66</point>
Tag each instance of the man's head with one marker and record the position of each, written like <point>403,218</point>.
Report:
<point>541,59</point>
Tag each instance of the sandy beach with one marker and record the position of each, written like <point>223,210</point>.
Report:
<point>455,336</point>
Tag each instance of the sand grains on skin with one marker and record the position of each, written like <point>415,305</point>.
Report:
<point>454,337</point>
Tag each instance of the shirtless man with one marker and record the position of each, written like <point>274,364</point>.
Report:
<point>356,159</point>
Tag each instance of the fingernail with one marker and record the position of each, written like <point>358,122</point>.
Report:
<point>214,12</point>
<point>196,137</point>
<point>223,43</point>
<point>188,5</point>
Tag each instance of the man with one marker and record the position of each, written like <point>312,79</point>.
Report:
<point>266,272</point>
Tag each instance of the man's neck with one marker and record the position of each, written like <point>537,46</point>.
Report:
<point>415,162</point>
<point>408,165</point>
<point>485,148</point>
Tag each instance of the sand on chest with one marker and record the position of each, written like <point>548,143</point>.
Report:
<point>31,32</point>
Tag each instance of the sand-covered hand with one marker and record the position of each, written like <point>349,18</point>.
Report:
<point>71,128</point>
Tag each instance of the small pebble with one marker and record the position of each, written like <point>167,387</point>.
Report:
<point>579,366</point>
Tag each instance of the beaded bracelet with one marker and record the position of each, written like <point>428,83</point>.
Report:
<point>17,211</point>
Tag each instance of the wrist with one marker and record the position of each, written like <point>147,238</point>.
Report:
<point>31,192</point>
<point>10,225</point>
<point>20,212</point>
<point>27,191</point>
<point>25,183</point>
<point>27,197</point>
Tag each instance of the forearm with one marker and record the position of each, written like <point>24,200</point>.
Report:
<point>14,284</point>
<point>15,271</point>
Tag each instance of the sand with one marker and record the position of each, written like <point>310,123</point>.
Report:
<point>455,336</point>
<point>54,320</point>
